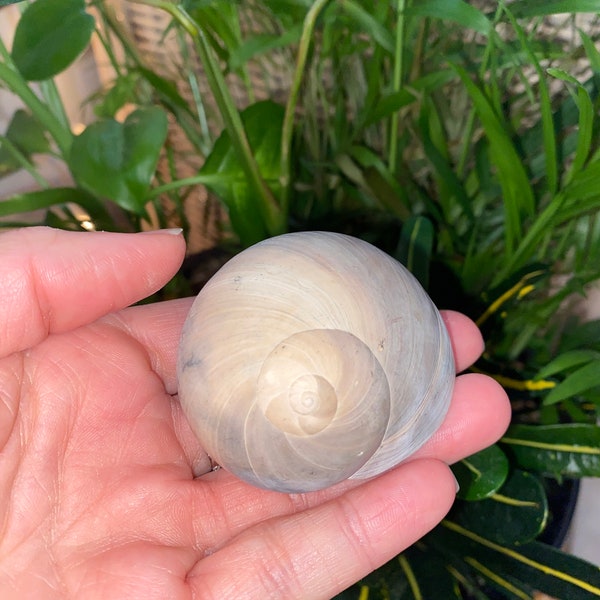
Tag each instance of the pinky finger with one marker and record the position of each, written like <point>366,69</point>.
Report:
<point>322,551</point>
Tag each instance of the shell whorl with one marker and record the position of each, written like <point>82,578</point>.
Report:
<point>310,358</point>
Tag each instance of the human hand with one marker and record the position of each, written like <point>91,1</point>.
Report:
<point>98,489</point>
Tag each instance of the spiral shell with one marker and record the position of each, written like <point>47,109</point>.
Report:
<point>310,358</point>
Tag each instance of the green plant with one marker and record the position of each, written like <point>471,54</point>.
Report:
<point>461,138</point>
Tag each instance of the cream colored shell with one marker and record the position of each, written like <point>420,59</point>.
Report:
<point>310,358</point>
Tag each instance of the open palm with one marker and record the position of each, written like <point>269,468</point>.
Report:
<point>99,487</point>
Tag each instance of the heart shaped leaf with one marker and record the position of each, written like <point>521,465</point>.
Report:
<point>50,36</point>
<point>118,160</point>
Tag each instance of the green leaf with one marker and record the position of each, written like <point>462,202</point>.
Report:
<point>540,8</point>
<point>43,199</point>
<point>26,132</point>
<point>582,380</point>
<point>566,361</point>
<point>586,121</point>
<point>263,124</point>
<point>390,102</point>
<point>545,107</point>
<point>50,36</point>
<point>571,450</point>
<point>260,44</point>
<point>520,506</point>
<point>118,160</point>
<point>407,576</point>
<point>24,136</point>
<point>415,247</point>
<point>364,19</point>
<point>592,52</point>
<point>380,183</point>
<point>7,2</point>
<point>482,474</point>
<point>458,11</point>
<point>532,565</point>
<point>518,196</point>
<point>433,138</point>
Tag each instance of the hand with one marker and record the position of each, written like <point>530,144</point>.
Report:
<point>98,495</point>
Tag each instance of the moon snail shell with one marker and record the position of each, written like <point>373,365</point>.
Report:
<point>310,358</point>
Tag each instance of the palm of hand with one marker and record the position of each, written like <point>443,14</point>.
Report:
<point>98,495</point>
<point>94,478</point>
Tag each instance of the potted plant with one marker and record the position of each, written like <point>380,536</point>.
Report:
<point>461,138</point>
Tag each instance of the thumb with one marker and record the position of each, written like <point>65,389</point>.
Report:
<point>54,281</point>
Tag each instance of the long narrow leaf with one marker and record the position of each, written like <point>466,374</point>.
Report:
<point>43,199</point>
<point>582,380</point>
<point>567,360</point>
<point>547,118</point>
<point>540,8</point>
<point>585,127</point>
<point>458,11</point>
<point>519,200</point>
<point>365,20</point>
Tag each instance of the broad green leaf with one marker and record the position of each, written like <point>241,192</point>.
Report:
<point>533,565</point>
<point>520,506</point>
<point>566,361</point>
<point>117,161</point>
<point>263,123</point>
<point>50,36</point>
<point>24,137</point>
<point>27,134</point>
<point>482,474</point>
<point>540,8</point>
<point>571,450</point>
<point>7,2</point>
<point>417,567</point>
<point>578,382</point>
<point>408,576</point>
<point>458,11</point>
<point>415,247</point>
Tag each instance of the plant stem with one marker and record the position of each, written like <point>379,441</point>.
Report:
<point>61,135</point>
<point>188,181</point>
<point>54,102</point>
<point>397,83</point>
<point>23,161</point>
<point>275,218</point>
<point>292,101</point>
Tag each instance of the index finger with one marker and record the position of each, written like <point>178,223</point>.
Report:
<point>55,281</point>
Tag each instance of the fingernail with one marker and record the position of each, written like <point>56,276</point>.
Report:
<point>173,231</point>
<point>456,484</point>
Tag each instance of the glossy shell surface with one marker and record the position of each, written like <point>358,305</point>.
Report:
<point>310,358</point>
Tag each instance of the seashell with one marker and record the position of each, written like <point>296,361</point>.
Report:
<point>310,358</point>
